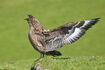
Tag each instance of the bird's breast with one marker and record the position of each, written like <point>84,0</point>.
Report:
<point>36,41</point>
<point>31,40</point>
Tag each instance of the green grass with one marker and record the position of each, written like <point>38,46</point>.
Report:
<point>14,43</point>
<point>59,63</point>
<point>74,63</point>
<point>17,65</point>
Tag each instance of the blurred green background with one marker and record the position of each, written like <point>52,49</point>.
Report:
<point>14,43</point>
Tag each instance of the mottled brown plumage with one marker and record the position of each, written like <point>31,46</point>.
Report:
<point>47,41</point>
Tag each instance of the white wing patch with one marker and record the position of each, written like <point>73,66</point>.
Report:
<point>86,23</point>
<point>74,36</point>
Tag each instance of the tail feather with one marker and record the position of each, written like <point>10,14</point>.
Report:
<point>89,23</point>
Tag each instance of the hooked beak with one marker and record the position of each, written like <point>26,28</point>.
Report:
<point>30,16</point>
<point>27,15</point>
<point>26,18</point>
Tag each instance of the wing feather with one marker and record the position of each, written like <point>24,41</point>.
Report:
<point>67,34</point>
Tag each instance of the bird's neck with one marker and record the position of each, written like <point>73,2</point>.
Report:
<point>37,28</point>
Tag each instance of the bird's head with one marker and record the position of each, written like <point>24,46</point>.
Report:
<point>31,20</point>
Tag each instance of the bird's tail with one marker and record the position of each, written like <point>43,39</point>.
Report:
<point>89,23</point>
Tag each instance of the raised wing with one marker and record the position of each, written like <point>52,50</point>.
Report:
<point>67,34</point>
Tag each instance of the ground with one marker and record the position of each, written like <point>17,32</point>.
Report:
<point>59,63</point>
<point>15,48</point>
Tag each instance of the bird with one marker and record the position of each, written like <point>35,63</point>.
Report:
<point>47,41</point>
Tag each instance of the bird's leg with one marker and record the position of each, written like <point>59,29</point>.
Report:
<point>36,61</point>
<point>41,56</point>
